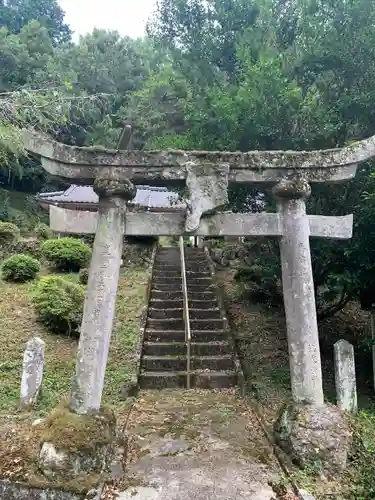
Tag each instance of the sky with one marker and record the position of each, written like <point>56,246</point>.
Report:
<point>129,17</point>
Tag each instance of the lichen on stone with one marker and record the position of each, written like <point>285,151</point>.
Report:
<point>19,461</point>
<point>315,434</point>
<point>109,186</point>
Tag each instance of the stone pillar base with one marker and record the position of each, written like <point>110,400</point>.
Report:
<point>74,444</point>
<point>315,436</point>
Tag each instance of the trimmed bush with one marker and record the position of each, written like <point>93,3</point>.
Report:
<point>9,234</point>
<point>66,254</point>
<point>59,304</point>
<point>83,276</point>
<point>43,232</point>
<point>20,268</point>
<point>28,246</point>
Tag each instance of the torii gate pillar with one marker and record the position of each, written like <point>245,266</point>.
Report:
<point>100,302</point>
<point>299,295</point>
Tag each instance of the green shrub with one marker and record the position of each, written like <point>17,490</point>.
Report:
<point>59,304</point>
<point>66,254</point>
<point>20,268</point>
<point>43,232</point>
<point>83,276</point>
<point>9,234</point>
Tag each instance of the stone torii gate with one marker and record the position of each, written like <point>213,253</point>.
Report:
<point>115,173</point>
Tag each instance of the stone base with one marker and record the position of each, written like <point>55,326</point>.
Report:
<point>17,491</point>
<point>315,436</point>
<point>73,444</point>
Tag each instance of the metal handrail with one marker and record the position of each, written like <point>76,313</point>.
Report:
<point>186,313</point>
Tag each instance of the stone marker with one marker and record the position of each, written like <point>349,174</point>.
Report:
<point>346,389</point>
<point>32,371</point>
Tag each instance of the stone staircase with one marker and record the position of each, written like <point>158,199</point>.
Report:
<point>164,356</point>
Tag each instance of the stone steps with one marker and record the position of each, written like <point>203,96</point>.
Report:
<point>190,267</point>
<point>178,324</point>
<point>164,355</point>
<point>179,335</point>
<point>196,279</point>
<point>172,286</point>
<point>179,348</point>
<point>177,294</point>
<point>178,363</point>
<point>200,380</point>
<point>179,313</point>
<point>178,304</point>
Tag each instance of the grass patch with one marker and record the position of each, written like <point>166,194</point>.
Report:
<point>122,362</point>
<point>19,441</point>
<point>18,323</point>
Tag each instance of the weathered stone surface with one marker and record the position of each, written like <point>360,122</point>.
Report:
<point>140,493</point>
<point>32,371</point>
<point>107,186</point>
<point>187,449</point>
<point>346,387</point>
<point>15,491</point>
<point>99,308</point>
<point>73,444</point>
<point>61,463</point>
<point>315,435</point>
<point>208,191</point>
<point>216,474</point>
<point>51,460</point>
<point>85,164</point>
<point>169,447</point>
<point>340,228</point>
<point>296,189</point>
<point>67,221</point>
<point>299,296</point>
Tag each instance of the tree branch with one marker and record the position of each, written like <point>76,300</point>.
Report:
<point>333,309</point>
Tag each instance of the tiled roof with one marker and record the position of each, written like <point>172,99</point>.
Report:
<point>147,196</point>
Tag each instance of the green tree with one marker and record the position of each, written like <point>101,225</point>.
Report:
<point>15,14</point>
<point>295,75</point>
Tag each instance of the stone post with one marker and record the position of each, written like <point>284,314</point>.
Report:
<point>32,372</point>
<point>298,289</point>
<point>346,387</point>
<point>100,301</point>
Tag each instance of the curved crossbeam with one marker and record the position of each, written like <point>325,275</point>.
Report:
<point>85,164</point>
